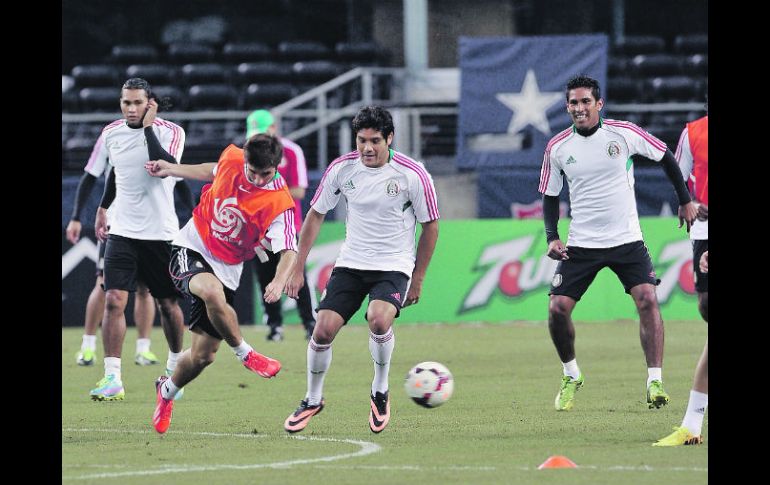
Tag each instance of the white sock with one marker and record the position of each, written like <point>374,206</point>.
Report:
<point>654,374</point>
<point>168,389</point>
<point>319,358</point>
<point>142,345</point>
<point>696,409</point>
<point>171,361</point>
<point>571,368</point>
<point>381,348</point>
<point>89,342</point>
<point>242,350</point>
<point>112,366</point>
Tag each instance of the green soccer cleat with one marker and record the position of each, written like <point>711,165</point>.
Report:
<point>680,436</point>
<point>180,392</point>
<point>110,388</point>
<point>145,358</point>
<point>656,395</point>
<point>85,357</point>
<point>566,397</point>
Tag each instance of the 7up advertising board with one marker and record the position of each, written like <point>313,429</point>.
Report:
<point>496,270</point>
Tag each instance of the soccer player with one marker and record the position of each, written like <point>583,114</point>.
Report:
<point>693,155</point>
<point>387,193</point>
<point>138,238</point>
<point>144,306</point>
<point>594,154</point>
<point>245,210</point>
<point>294,171</point>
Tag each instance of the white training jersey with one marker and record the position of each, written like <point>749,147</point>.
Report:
<point>97,165</point>
<point>384,205</point>
<point>144,205</point>
<point>699,229</point>
<point>600,175</point>
<point>280,235</point>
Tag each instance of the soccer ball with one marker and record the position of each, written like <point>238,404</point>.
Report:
<point>429,384</point>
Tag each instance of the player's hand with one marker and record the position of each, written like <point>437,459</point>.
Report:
<point>557,250</point>
<point>413,295</point>
<point>101,228</point>
<point>159,168</point>
<point>73,231</point>
<point>703,212</point>
<point>273,291</point>
<point>687,214</point>
<point>704,262</point>
<point>295,282</point>
<point>149,115</point>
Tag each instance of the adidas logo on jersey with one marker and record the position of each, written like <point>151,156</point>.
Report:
<point>570,160</point>
<point>349,185</point>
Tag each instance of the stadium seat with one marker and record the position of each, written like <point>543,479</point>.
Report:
<point>95,75</point>
<point>632,45</point>
<point>190,53</point>
<point>134,54</point>
<point>266,94</point>
<point>672,119</point>
<point>250,72</point>
<point>176,96</point>
<point>152,73</point>
<point>303,51</point>
<point>616,66</point>
<point>624,90</point>
<point>316,71</point>
<point>696,65</point>
<point>691,44</point>
<point>247,52</point>
<point>668,134</point>
<point>674,88</point>
<point>360,53</point>
<point>212,96</point>
<point>206,73</point>
<point>69,101</point>
<point>651,65</point>
<point>100,99</point>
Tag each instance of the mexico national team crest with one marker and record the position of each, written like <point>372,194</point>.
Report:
<point>392,188</point>
<point>556,281</point>
<point>613,149</point>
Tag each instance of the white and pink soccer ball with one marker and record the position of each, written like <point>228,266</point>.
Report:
<point>429,384</point>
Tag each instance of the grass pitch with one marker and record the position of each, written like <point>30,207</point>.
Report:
<point>497,428</point>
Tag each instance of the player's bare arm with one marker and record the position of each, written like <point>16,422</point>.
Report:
<point>162,168</point>
<point>307,236</point>
<point>275,288</point>
<point>425,247</point>
<point>557,250</point>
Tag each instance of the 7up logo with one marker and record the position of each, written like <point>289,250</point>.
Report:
<point>504,269</point>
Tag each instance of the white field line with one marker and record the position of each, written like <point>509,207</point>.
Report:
<point>367,448</point>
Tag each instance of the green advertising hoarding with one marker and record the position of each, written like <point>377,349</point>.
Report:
<point>495,270</point>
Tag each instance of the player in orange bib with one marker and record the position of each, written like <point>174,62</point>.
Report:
<point>246,209</point>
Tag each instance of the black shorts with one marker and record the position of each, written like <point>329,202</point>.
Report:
<point>348,287</point>
<point>631,262</point>
<point>186,263</point>
<point>127,260</point>
<point>100,246</point>
<point>699,246</point>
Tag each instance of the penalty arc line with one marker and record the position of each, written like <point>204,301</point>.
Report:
<point>367,448</point>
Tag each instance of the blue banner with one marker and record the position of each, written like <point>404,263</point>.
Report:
<point>512,94</point>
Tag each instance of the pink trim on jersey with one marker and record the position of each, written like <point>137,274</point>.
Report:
<point>99,142</point>
<point>632,127</point>
<point>350,156</point>
<point>175,138</point>
<point>545,171</point>
<point>430,196</point>
<point>678,154</point>
<point>289,232</point>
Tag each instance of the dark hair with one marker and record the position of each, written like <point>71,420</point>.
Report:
<point>263,151</point>
<point>374,117</point>
<point>139,83</point>
<point>583,81</point>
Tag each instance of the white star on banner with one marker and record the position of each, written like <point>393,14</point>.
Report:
<point>530,105</point>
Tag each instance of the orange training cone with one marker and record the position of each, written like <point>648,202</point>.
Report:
<point>557,461</point>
